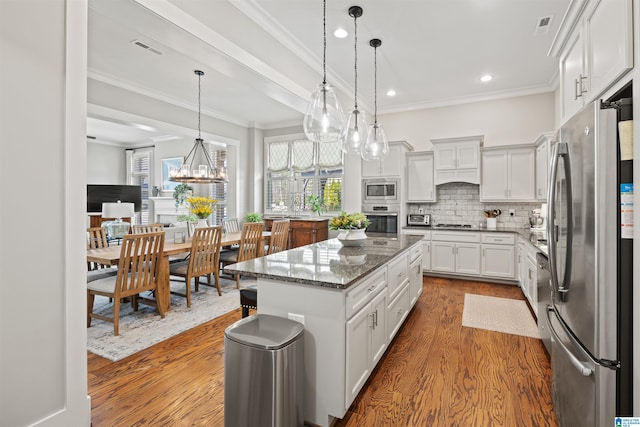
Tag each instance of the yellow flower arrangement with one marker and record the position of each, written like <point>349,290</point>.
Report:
<point>202,207</point>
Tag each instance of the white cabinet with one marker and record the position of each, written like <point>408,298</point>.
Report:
<point>498,255</point>
<point>597,52</point>
<point>420,184</point>
<point>543,151</point>
<point>532,281</point>
<point>415,276</point>
<point>397,311</point>
<point>455,252</point>
<point>426,245</point>
<point>366,343</point>
<point>392,165</point>
<point>508,174</point>
<point>398,275</point>
<point>457,159</point>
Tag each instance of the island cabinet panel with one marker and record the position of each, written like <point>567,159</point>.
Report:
<point>306,232</point>
<point>366,343</point>
<point>415,279</point>
<point>398,275</point>
<point>348,326</point>
<point>397,311</point>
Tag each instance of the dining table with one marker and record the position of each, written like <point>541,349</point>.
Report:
<point>111,256</point>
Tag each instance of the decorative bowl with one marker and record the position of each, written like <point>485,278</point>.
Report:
<point>355,237</point>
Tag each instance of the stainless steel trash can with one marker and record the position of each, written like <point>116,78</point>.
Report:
<point>264,372</point>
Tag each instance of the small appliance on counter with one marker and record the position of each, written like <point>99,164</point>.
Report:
<point>538,222</point>
<point>419,219</point>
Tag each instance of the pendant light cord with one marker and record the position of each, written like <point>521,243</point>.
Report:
<point>324,42</point>
<point>199,77</point>
<point>375,85</point>
<point>355,54</point>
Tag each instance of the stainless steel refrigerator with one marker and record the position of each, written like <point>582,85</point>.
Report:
<point>589,322</point>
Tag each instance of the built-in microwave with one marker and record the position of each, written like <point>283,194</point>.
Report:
<point>378,190</point>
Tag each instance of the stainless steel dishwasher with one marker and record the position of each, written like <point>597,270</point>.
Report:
<point>544,298</point>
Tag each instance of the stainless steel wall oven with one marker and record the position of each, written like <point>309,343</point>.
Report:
<point>384,218</point>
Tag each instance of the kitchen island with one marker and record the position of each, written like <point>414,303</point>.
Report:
<point>351,300</point>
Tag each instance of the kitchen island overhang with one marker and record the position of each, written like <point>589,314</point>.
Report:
<point>351,300</point>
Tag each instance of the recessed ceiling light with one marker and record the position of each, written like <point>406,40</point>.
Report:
<point>340,33</point>
<point>391,92</point>
<point>486,78</point>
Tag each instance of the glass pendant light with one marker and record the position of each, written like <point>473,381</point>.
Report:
<point>376,146</point>
<point>355,130</point>
<point>324,121</point>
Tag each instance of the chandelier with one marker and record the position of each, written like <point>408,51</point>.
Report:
<point>203,173</point>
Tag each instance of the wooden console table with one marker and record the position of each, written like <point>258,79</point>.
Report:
<point>304,231</point>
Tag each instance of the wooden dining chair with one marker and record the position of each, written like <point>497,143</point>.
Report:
<point>147,228</point>
<point>250,242</point>
<point>96,238</point>
<point>138,271</point>
<point>231,225</point>
<point>204,260</point>
<point>279,237</point>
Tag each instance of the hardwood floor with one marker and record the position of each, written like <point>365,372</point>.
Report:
<point>435,373</point>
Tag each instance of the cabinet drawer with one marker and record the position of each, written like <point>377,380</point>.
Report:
<point>398,274</point>
<point>361,294</point>
<point>452,236</point>
<point>415,252</point>
<point>499,238</point>
<point>306,225</point>
<point>397,311</point>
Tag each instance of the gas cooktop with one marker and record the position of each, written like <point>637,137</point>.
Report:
<point>454,225</point>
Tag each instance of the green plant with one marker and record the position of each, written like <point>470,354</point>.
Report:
<point>253,217</point>
<point>316,203</point>
<point>181,193</point>
<point>353,221</point>
<point>189,218</point>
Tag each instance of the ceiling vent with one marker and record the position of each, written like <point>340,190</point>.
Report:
<point>146,47</point>
<point>543,25</point>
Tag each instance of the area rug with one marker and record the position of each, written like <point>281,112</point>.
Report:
<point>144,328</point>
<point>505,315</point>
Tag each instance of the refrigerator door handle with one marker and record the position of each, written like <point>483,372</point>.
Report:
<point>584,370</point>
<point>561,149</point>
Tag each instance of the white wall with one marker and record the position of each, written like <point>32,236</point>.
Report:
<point>517,120</point>
<point>106,164</point>
<point>43,355</point>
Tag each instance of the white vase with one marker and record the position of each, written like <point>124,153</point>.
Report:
<point>202,223</point>
<point>352,237</point>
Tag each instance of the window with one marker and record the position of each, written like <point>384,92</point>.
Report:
<point>219,190</point>
<point>297,168</point>
<point>139,173</point>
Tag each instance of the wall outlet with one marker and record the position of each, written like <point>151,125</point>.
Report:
<point>512,212</point>
<point>420,211</point>
<point>296,317</point>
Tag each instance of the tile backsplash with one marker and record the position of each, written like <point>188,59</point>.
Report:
<point>459,203</point>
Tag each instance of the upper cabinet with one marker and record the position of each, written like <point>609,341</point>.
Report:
<point>543,154</point>
<point>508,174</point>
<point>420,185</point>
<point>457,159</point>
<point>595,48</point>
<point>392,165</point>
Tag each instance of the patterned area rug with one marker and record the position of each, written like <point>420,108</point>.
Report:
<point>498,314</point>
<point>144,328</point>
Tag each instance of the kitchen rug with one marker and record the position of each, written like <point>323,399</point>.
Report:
<point>505,315</point>
<point>143,328</point>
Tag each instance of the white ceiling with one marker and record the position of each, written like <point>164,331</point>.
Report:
<point>262,58</point>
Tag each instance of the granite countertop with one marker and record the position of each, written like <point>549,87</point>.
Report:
<point>536,238</point>
<point>327,263</point>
